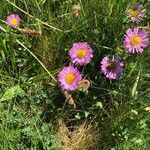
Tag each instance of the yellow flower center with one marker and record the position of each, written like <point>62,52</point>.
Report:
<point>111,66</point>
<point>135,40</point>
<point>81,53</point>
<point>69,78</point>
<point>133,12</point>
<point>14,21</point>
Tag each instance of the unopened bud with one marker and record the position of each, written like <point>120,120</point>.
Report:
<point>76,9</point>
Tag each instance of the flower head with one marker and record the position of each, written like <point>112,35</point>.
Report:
<point>136,40</point>
<point>81,53</point>
<point>13,20</point>
<point>112,68</point>
<point>76,9</point>
<point>136,13</point>
<point>69,78</point>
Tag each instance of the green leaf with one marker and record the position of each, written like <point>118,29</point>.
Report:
<point>86,114</point>
<point>12,92</point>
<point>99,104</point>
<point>77,116</point>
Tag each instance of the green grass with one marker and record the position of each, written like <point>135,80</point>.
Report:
<point>31,102</point>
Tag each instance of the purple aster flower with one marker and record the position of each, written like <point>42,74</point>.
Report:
<point>136,40</point>
<point>112,68</point>
<point>81,53</point>
<point>69,78</point>
<point>13,20</point>
<point>136,13</point>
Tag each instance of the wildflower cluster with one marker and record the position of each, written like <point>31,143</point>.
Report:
<point>135,40</point>
<point>80,55</point>
<point>70,78</point>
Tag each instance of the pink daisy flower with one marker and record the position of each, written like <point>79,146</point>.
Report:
<point>136,40</point>
<point>136,13</point>
<point>112,68</point>
<point>81,53</point>
<point>69,78</point>
<point>13,20</point>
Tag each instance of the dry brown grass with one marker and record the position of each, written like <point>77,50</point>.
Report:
<point>81,137</point>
